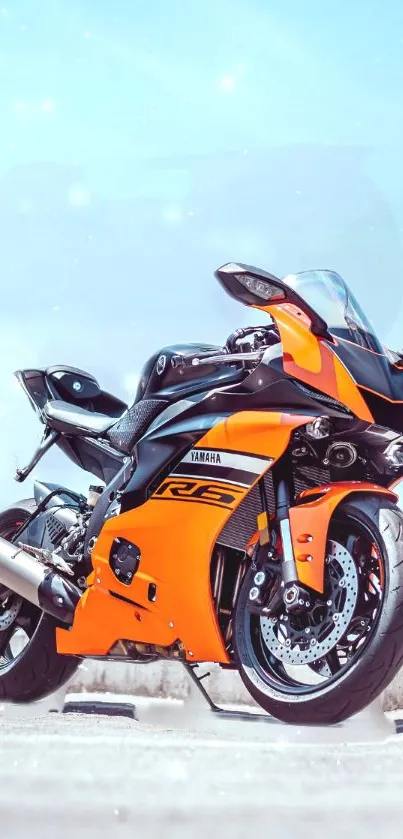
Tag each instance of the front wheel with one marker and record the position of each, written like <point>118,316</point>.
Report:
<point>30,666</point>
<point>322,666</point>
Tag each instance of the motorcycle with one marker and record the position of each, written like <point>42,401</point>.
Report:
<point>246,512</point>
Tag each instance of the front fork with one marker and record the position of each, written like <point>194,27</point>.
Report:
<point>295,597</point>
<point>298,562</point>
<point>289,591</point>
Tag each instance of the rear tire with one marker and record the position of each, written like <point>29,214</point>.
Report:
<point>375,664</point>
<point>38,670</point>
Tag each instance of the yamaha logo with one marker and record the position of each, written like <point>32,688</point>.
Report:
<point>161,364</point>
<point>205,457</point>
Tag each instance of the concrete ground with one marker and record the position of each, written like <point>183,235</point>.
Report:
<point>180,773</point>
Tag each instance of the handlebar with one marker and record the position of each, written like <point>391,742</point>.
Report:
<point>209,358</point>
<point>188,360</point>
<point>243,332</point>
<point>265,335</point>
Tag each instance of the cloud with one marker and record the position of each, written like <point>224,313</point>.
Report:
<point>79,196</point>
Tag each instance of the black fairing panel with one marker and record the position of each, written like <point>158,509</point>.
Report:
<point>267,388</point>
<point>48,528</point>
<point>159,379</point>
<point>371,370</point>
<point>92,456</point>
<point>154,462</point>
<point>61,381</point>
<point>388,414</point>
<point>72,383</point>
<point>58,383</point>
<point>42,490</point>
<point>381,383</point>
<point>108,404</point>
<point>160,450</point>
<point>35,385</point>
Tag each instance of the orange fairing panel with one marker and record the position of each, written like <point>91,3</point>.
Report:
<point>254,432</point>
<point>309,524</point>
<point>175,531</point>
<point>311,359</point>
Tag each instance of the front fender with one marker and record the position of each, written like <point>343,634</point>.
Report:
<point>309,523</point>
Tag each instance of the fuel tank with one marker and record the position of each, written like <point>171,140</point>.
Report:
<point>159,378</point>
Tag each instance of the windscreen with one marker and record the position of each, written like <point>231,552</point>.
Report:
<point>328,294</point>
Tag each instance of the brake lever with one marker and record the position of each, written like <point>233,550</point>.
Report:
<point>188,360</point>
<point>227,358</point>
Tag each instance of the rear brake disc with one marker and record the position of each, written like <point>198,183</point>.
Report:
<point>9,609</point>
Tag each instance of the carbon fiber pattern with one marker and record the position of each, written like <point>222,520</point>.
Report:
<point>134,422</point>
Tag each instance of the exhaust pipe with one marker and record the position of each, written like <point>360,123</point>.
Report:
<point>37,583</point>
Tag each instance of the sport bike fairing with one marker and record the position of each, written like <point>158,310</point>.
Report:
<point>175,532</point>
<point>356,344</point>
<point>174,517</point>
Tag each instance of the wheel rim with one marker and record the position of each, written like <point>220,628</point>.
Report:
<point>19,619</point>
<point>302,674</point>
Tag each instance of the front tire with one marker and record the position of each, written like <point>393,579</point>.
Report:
<point>353,676</point>
<point>36,670</point>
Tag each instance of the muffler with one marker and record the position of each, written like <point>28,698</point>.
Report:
<point>37,583</point>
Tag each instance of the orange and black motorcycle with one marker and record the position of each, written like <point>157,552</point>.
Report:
<point>247,514</point>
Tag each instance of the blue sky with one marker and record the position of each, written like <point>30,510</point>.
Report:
<point>144,143</point>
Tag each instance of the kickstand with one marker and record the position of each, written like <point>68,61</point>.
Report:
<point>197,681</point>
<point>224,713</point>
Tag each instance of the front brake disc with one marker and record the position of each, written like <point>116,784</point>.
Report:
<point>290,642</point>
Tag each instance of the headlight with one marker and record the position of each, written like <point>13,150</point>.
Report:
<point>318,428</point>
<point>394,453</point>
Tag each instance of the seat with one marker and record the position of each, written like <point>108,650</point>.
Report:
<point>122,433</point>
<point>126,431</point>
<point>75,421</point>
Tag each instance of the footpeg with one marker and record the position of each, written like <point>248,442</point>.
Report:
<point>49,558</point>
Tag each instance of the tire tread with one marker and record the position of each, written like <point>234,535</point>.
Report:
<point>383,655</point>
<point>40,670</point>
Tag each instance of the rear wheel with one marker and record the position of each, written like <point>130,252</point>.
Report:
<point>326,664</point>
<point>30,666</point>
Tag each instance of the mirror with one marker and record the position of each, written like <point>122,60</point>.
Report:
<point>261,288</point>
<point>250,285</point>
<point>256,287</point>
